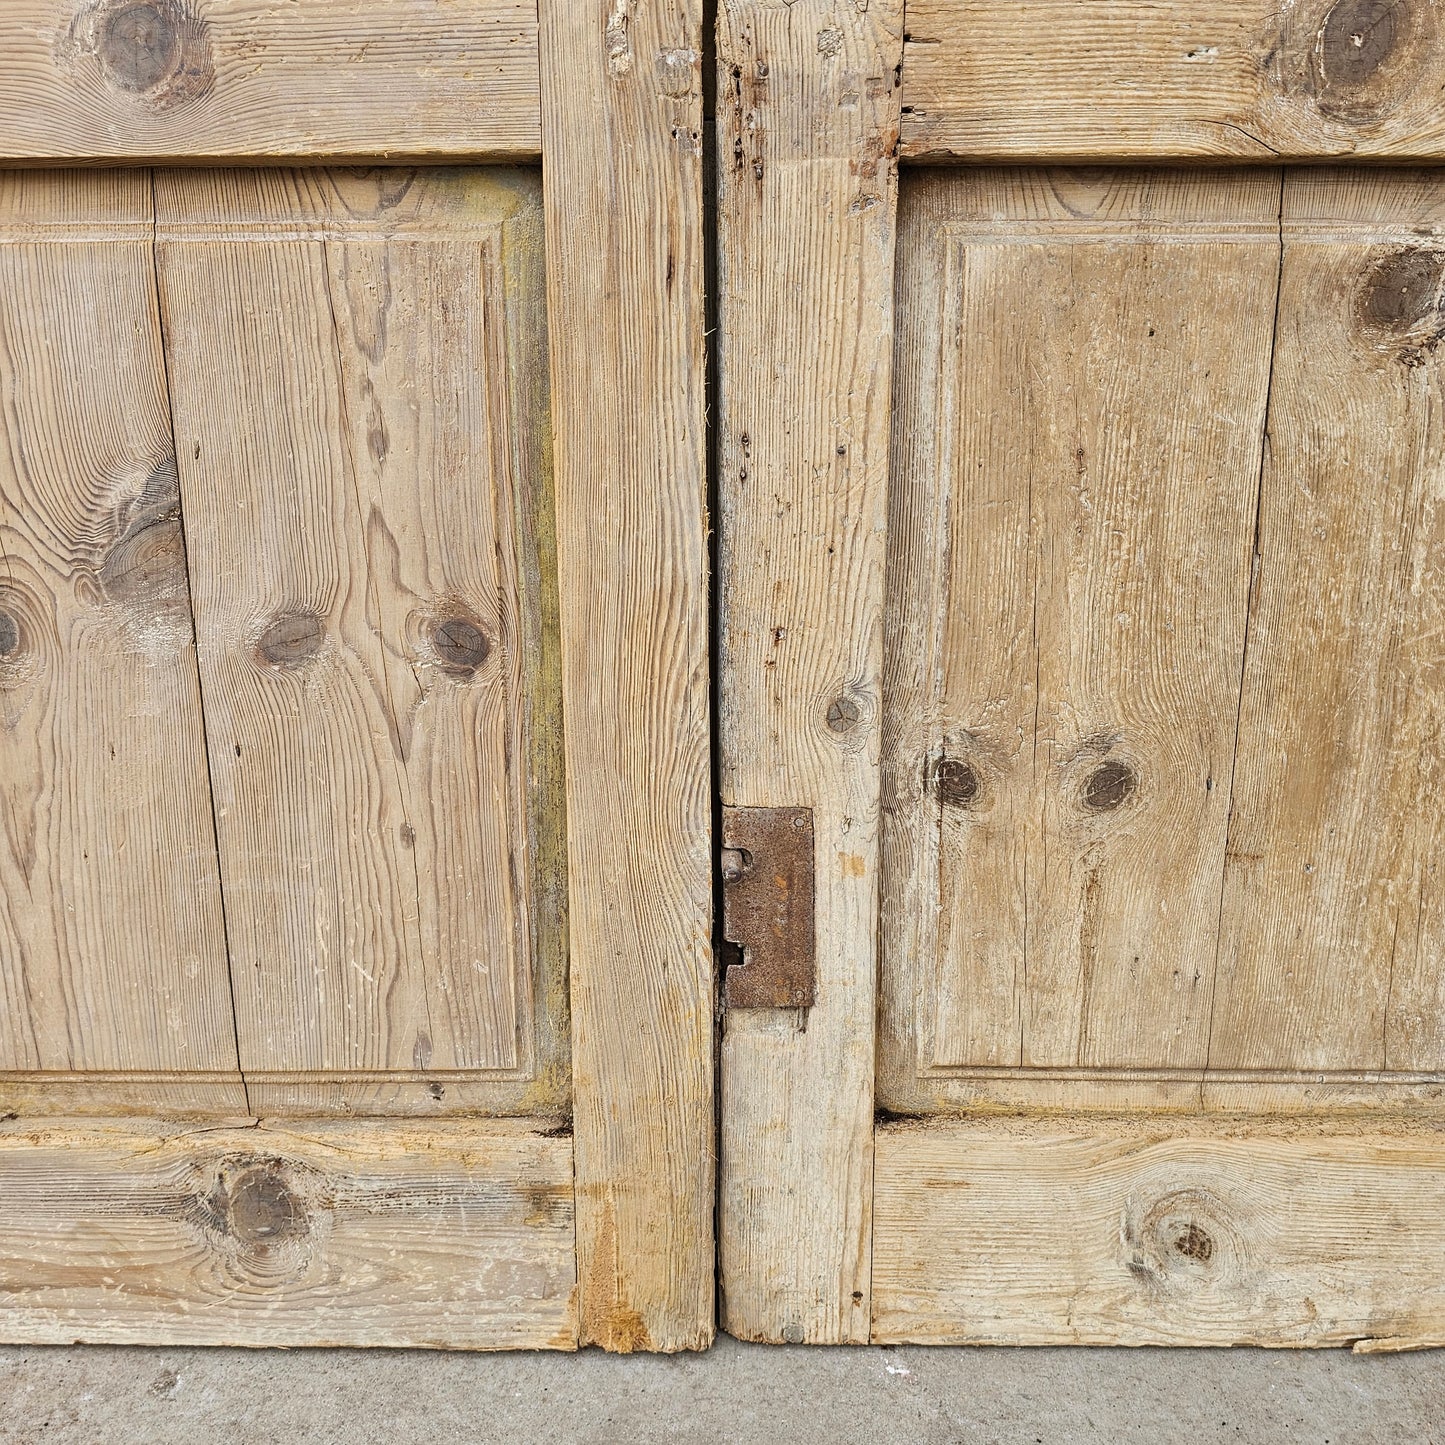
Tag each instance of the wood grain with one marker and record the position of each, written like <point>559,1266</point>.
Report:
<point>1334,915</point>
<point>351,359</point>
<point>1147,1233</point>
<point>1083,364</point>
<point>112,950</point>
<point>1158,79</point>
<point>455,1235</point>
<point>235,79</point>
<point>808,115</point>
<point>622,128</point>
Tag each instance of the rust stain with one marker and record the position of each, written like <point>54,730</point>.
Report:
<point>607,1319</point>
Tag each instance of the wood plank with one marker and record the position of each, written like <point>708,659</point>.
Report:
<point>1159,1233</point>
<point>1159,79</point>
<point>622,126</point>
<point>369,625</point>
<point>807,124</point>
<point>455,1235</point>
<point>1334,913</point>
<point>112,948</point>
<point>1097,1090</point>
<point>1084,364</point>
<point>236,79</point>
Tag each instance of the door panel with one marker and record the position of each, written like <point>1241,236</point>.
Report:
<point>356,364</point>
<point>1082,365</point>
<point>113,977</point>
<point>1083,693</point>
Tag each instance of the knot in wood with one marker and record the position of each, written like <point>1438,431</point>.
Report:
<point>156,50</point>
<point>956,783</point>
<point>1194,1242</point>
<point>1109,786</point>
<point>139,45</point>
<point>260,1209</point>
<point>1369,57</point>
<point>1359,36</point>
<point>292,639</point>
<point>1183,1238</point>
<point>1401,296</point>
<point>460,644</point>
<point>9,634</point>
<point>843,713</point>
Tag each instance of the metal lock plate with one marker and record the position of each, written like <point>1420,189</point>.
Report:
<point>767,872</point>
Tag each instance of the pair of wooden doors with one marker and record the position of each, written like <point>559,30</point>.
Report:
<point>1072,453</point>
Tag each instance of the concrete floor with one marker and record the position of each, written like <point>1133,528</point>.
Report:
<point>737,1393</point>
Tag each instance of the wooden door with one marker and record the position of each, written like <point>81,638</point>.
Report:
<point>355,976</point>
<point>1081,454</point>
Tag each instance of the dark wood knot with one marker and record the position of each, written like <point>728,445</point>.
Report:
<point>1194,1243</point>
<point>292,639</point>
<point>1369,57</point>
<point>156,50</point>
<point>460,644</point>
<point>1109,786</point>
<point>843,714</point>
<point>1359,36</point>
<point>1402,291</point>
<point>259,1208</point>
<point>956,782</point>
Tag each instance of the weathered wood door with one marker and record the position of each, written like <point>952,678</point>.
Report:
<point>1082,572</point>
<point>332,500</point>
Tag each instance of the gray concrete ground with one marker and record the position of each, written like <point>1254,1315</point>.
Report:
<point>741,1393</point>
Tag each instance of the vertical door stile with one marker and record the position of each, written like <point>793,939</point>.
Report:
<point>807,131</point>
<point>622,135</point>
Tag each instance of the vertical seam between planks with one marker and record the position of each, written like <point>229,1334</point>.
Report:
<point>1249,607</point>
<point>878,931</point>
<point>195,640</point>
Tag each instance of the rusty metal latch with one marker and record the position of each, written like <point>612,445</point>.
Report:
<point>767,873</point>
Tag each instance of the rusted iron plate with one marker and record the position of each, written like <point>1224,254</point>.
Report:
<point>767,868</point>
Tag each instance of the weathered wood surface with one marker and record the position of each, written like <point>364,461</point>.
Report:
<point>1144,1233</point>
<point>808,116</point>
<point>112,949</point>
<point>1332,953</point>
<point>450,1234</point>
<point>1142,79</point>
<point>1083,363</point>
<point>1085,485</point>
<point>235,79</point>
<point>622,126</point>
<point>369,625</point>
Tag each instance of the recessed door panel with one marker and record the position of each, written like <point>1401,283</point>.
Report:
<point>356,363</point>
